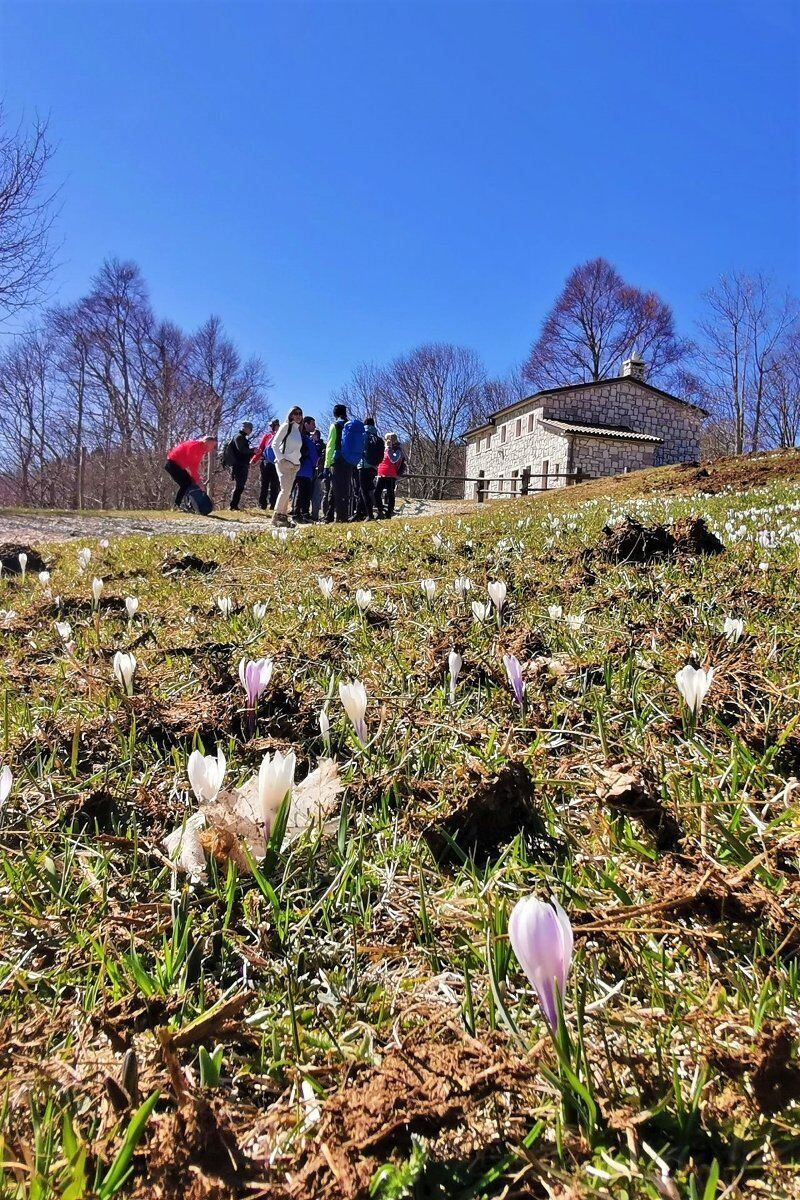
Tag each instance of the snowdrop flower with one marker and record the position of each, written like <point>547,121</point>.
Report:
<point>541,937</point>
<point>254,675</point>
<point>6,780</point>
<point>325,585</point>
<point>733,629</point>
<point>454,663</point>
<point>555,612</point>
<point>354,701</point>
<point>23,564</point>
<point>131,606</point>
<point>124,670</point>
<point>480,611</point>
<point>576,621</point>
<point>275,782</point>
<point>514,672</point>
<point>259,610</point>
<point>693,684</point>
<point>428,587</point>
<point>84,558</point>
<point>64,630</point>
<point>44,578</point>
<point>225,605</point>
<point>497,594</point>
<point>462,584</point>
<point>363,599</point>
<point>206,774</point>
<point>97,589</point>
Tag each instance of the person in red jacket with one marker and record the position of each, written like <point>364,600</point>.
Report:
<point>269,472</point>
<point>392,465</point>
<point>183,464</point>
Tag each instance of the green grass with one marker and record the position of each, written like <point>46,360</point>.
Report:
<point>389,931</point>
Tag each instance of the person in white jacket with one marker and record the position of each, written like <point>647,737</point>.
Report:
<point>287,446</point>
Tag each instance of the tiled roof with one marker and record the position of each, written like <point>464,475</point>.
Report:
<point>623,432</point>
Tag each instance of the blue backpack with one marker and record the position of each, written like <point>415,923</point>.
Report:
<point>353,439</point>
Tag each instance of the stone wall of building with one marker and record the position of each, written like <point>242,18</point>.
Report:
<point>518,441</point>
<point>609,456</point>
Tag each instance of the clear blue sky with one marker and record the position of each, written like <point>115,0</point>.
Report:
<point>342,181</point>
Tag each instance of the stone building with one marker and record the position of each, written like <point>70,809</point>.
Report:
<point>603,428</point>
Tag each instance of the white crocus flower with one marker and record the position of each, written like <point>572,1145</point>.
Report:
<point>454,663</point>
<point>576,621</point>
<point>23,563</point>
<point>275,782</point>
<point>84,558</point>
<point>260,611</point>
<point>64,630</point>
<point>363,599</point>
<point>555,612</point>
<point>225,605</point>
<point>480,611</point>
<point>131,606</point>
<point>733,629</point>
<point>97,589</point>
<point>354,701</point>
<point>462,584</point>
<point>6,780</point>
<point>693,685</point>
<point>428,588</point>
<point>44,578</point>
<point>125,669</point>
<point>325,727</point>
<point>497,594</point>
<point>103,543</point>
<point>325,585</point>
<point>206,774</point>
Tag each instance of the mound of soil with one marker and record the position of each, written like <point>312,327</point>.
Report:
<point>632,542</point>
<point>174,564</point>
<point>487,814</point>
<point>774,1073</point>
<point>9,557</point>
<point>633,791</point>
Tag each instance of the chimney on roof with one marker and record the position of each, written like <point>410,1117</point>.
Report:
<point>635,366</point>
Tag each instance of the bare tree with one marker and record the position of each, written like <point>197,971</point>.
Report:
<point>595,324</point>
<point>782,394</point>
<point>25,393</point>
<point>26,215</point>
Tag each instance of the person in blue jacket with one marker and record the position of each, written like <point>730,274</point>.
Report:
<point>304,483</point>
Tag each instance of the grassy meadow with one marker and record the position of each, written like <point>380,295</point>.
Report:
<point>343,1016</point>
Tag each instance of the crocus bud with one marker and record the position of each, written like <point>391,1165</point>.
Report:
<point>693,685</point>
<point>64,630</point>
<point>23,563</point>
<point>6,780</point>
<point>462,584</point>
<point>354,701</point>
<point>480,611</point>
<point>97,589</point>
<point>733,629</point>
<point>428,588</point>
<point>225,605</point>
<point>497,594</point>
<point>514,672</point>
<point>363,599</point>
<point>259,611</point>
<point>125,669</point>
<point>131,606</point>
<point>206,774</point>
<point>44,578</point>
<point>254,677</point>
<point>454,663</point>
<point>275,782</point>
<point>325,583</point>
<point>555,612</point>
<point>541,937</point>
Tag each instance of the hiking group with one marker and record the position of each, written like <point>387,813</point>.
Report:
<point>304,479</point>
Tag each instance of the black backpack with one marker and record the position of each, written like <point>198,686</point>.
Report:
<point>374,448</point>
<point>229,455</point>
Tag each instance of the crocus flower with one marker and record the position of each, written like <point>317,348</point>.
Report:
<point>541,937</point>
<point>325,585</point>
<point>462,584</point>
<point>206,774</point>
<point>555,612</point>
<point>131,606</point>
<point>275,782</point>
<point>575,621</point>
<point>437,540</point>
<point>23,563</point>
<point>514,672</point>
<point>325,727</point>
<point>44,578</point>
<point>6,780</point>
<point>97,589</point>
<point>497,594</point>
<point>259,611</point>
<point>354,700</point>
<point>428,588</point>
<point>363,599</point>
<point>693,684</point>
<point>84,558</point>
<point>103,543</point>
<point>255,676</point>
<point>125,669</point>
<point>454,663</point>
<point>733,629</point>
<point>225,605</point>
<point>64,630</point>
<point>480,611</point>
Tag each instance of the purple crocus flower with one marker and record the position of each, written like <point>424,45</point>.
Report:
<point>255,676</point>
<point>514,671</point>
<point>541,937</point>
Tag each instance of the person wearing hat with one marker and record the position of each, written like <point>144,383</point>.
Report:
<point>265,457</point>
<point>238,453</point>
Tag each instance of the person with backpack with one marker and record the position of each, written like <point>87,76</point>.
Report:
<point>183,467</point>
<point>392,465</point>
<point>318,490</point>
<point>236,457</point>
<point>374,449</point>
<point>343,453</point>
<point>304,483</point>
<point>269,474</point>
<point>287,446</point>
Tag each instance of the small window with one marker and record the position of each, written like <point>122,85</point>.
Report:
<point>503,433</point>
<point>519,427</point>
<point>530,422</point>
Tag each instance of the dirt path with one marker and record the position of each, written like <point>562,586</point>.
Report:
<point>33,527</point>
